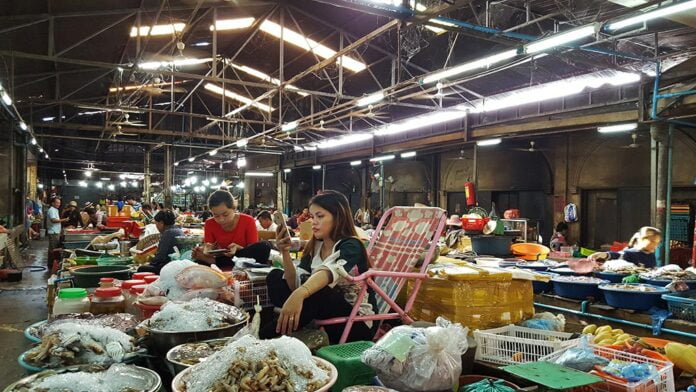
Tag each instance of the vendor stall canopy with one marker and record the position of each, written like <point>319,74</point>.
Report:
<point>103,81</point>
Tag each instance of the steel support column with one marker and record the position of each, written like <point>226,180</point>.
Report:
<point>146,180</point>
<point>659,132</point>
<point>168,176</point>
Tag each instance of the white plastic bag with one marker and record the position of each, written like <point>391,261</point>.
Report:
<point>412,359</point>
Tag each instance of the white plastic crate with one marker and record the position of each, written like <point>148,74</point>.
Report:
<point>512,344</point>
<point>662,382</point>
<point>246,292</point>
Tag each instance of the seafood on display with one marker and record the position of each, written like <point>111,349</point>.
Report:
<point>183,280</point>
<point>194,353</point>
<point>74,344</point>
<point>670,272</point>
<point>248,364</point>
<point>198,314</point>
<point>123,322</point>
<point>116,378</point>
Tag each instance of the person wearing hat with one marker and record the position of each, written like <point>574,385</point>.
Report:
<point>454,223</point>
<point>72,215</point>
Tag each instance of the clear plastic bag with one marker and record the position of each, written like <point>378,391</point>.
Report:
<point>546,321</point>
<point>412,359</point>
<point>581,358</point>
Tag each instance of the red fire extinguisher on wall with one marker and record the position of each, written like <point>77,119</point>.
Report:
<point>470,192</point>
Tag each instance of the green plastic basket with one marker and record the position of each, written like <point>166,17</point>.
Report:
<point>552,376</point>
<point>346,358</point>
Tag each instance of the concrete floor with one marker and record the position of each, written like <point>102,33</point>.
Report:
<point>21,304</point>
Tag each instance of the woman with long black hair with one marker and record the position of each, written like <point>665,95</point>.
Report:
<point>316,290</point>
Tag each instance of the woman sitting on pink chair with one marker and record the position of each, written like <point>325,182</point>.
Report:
<point>317,289</point>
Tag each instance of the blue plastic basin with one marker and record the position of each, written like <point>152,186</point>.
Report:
<point>665,282</point>
<point>577,290</point>
<point>613,277</point>
<point>635,300</point>
<point>543,287</point>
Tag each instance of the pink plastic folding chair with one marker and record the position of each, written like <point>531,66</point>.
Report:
<point>402,237</point>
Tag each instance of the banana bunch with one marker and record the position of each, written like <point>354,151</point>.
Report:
<point>606,335</point>
<point>682,355</point>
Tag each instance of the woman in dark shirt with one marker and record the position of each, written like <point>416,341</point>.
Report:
<point>164,220</point>
<point>317,290</point>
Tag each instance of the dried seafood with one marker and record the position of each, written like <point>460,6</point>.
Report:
<point>248,364</point>
<point>670,272</point>
<point>73,344</point>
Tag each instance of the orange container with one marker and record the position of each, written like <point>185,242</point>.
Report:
<point>529,251</point>
<point>146,311</point>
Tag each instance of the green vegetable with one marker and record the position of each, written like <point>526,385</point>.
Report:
<point>631,279</point>
<point>487,385</point>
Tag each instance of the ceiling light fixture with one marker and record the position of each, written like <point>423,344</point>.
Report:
<point>370,99</point>
<point>152,65</point>
<point>241,162</point>
<point>213,180</point>
<point>83,184</point>
<point>164,29</point>
<point>258,174</point>
<point>232,95</point>
<point>287,127</point>
<point>310,148</point>
<point>382,158</point>
<point>297,148</point>
<point>242,143</point>
<point>23,125</point>
<point>287,170</point>
<point>99,184</point>
<point>264,77</point>
<point>136,86</point>
<point>111,187</point>
<point>618,128</point>
<point>33,141</point>
<point>6,98</point>
<point>308,44</point>
<point>48,118</point>
<point>232,24</point>
<point>191,159</point>
<point>419,121</point>
<point>470,66</point>
<point>343,140</point>
<point>176,163</point>
<point>105,178</point>
<point>316,167</point>
<point>134,184</point>
<point>356,163</point>
<point>656,13</point>
<point>88,173</point>
<point>123,184</point>
<point>489,142</point>
<point>561,39</point>
<point>409,154</point>
<point>213,152</point>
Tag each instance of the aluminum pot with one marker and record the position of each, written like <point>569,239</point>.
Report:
<point>160,342</point>
<point>151,381</point>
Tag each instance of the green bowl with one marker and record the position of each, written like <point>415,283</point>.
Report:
<point>114,260</point>
<point>85,260</point>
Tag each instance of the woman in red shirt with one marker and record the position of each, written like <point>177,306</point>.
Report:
<point>231,230</point>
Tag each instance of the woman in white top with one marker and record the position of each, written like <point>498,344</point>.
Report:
<point>316,289</point>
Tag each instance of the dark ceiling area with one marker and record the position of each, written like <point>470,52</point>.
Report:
<point>85,82</point>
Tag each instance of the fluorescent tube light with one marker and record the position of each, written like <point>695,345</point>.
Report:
<point>99,184</point>
<point>419,121</point>
<point>242,142</point>
<point>6,98</point>
<point>23,125</point>
<point>262,76</point>
<point>356,163</point>
<point>232,24</point>
<point>287,170</point>
<point>241,162</point>
<point>33,141</point>
<point>164,29</point>
<point>212,153</point>
<point>489,142</point>
<point>310,148</point>
<point>343,140</point>
<point>232,95</point>
<point>618,128</point>
<point>370,99</point>
<point>83,184</point>
<point>88,173</point>
<point>46,119</point>
<point>316,167</point>
<point>258,174</point>
<point>308,44</point>
<point>409,154</point>
<point>561,39</point>
<point>470,66</point>
<point>657,13</point>
<point>382,158</point>
<point>46,156</point>
<point>202,43</point>
<point>191,159</point>
<point>176,163</point>
<point>151,65</point>
<point>137,86</point>
<point>134,184</point>
<point>111,187</point>
<point>297,148</point>
<point>287,127</point>
<point>105,178</point>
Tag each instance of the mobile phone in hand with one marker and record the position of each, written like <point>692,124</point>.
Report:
<point>279,220</point>
<point>217,251</point>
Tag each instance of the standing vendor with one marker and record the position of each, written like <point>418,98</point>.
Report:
<point>317,290</point>
<point>72,215</point>
<point>164,220</point>
<point>232,231</point>
<point>641,248</point>
<point>54,228</point>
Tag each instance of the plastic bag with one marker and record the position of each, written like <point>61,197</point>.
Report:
<point>412,359</point>
<point>546,321</point>
<point>581,358</point>
<point>630,371</point>
<point>487,385</point>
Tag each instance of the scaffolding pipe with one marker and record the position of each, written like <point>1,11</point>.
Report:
<point>615,320</point>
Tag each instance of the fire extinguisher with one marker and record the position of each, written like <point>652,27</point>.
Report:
<point>470,192</point>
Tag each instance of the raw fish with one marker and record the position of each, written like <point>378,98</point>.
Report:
<point>200,277</point>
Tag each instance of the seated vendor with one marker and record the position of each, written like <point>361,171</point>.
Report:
<point>316,290</point>
<point>641,248</point>
<point>230,230</point>
<point>264,221</point>
<point>90,216</point>
<point>164,220</point>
